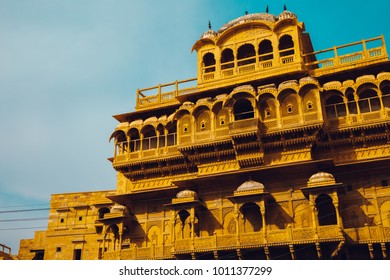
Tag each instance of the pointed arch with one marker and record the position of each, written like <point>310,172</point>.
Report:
<point>252,219</point>
<point>246,54</point>
<point>227,59</point>
<point>326,210</point>
<point>286,45</point>
<point>208,62</point>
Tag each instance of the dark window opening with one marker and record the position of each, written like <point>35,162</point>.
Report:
<point>77,254</point>
<point>150,140</point>
<point>286,46</point>
<point>326,210</point>
<point>246,55</point>
<point>135,142</point>
<point>243,110</point>
<point>227,59</point>
<point>335,107</point>
<point>103,211</point>
<point>252,215</point>
<point>369,101</point>
<point>209,62</point>
<point>265,50</point>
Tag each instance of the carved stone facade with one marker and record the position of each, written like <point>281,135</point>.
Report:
<point>272,154</point>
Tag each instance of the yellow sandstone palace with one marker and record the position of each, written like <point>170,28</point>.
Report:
<point>274,151</point>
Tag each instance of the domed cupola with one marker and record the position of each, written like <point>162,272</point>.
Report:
<point>250,188</point>
<point>248,18</point>
<point>187,197</point>
<point>187,194</point>
<point>250,185</point>
<point>286,14</point>
<point>209,34</point>
<point>321,179</point>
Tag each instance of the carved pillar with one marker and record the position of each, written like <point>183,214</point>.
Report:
<point>239,255</point>
<point>336,206</point>
<point>318,249</point>
<point>266,252</point>
<point>262,211</point>
<point>381,102</point>
<point>216,257</point>
<point>292,251</point>
<point>115,146</point>
<point>371,250</point>
<point>192,223</point>
<point>237,219</point>
<point>384,253</point>
<point>356,98</point>
<point>314,213</point>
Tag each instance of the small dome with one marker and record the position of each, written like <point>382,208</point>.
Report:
<point>118,209</point>
<point>287,14</point>
<point>187,194</point>
<point>321,178</point>
<point>250,185</point>
<point>208,34</point>
<point>247,18</point>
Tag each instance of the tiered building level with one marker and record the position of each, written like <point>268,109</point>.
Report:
<point>274,151</point>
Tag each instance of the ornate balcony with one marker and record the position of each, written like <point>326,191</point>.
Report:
<point>369,51</point>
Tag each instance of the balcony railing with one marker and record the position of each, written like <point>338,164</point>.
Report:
<point>164,93</point>
<point>340,57</point>
<point>253,239</point>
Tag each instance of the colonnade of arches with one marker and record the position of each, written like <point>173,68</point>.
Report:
<point>145,137</point>
<point>356,98</point>
<point>248,53</point>
<point>292,103</point>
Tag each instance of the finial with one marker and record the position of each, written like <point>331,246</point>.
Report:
<point>209,25</point>
<point>267,9</point>
<point>285,7</point>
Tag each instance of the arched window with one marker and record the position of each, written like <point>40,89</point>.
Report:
<point>335,107</point>
<point>209,62</point>
<point>227,59</point>
<point>121,145</point>
<point>252,217</point>
<point>326,210</point>
<point>102,212</point>
<point>369,101</point>
<point>289,103</point>
<point>182,226</point>
<point>161,136</point>
<point>150,140</point>
<point>265,50</point>
<point>243,110</point>
<point>268,107</point>
<point>202,119</point>
<point>385,88</point>
<point>246,55</point>
<point>172,134</point>
<point>135,143</point>
<point>286,45</point>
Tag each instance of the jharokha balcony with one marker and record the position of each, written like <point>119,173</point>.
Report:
<point>281,237</point>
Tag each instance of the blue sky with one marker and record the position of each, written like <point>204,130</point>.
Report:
<point>66,67</point>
